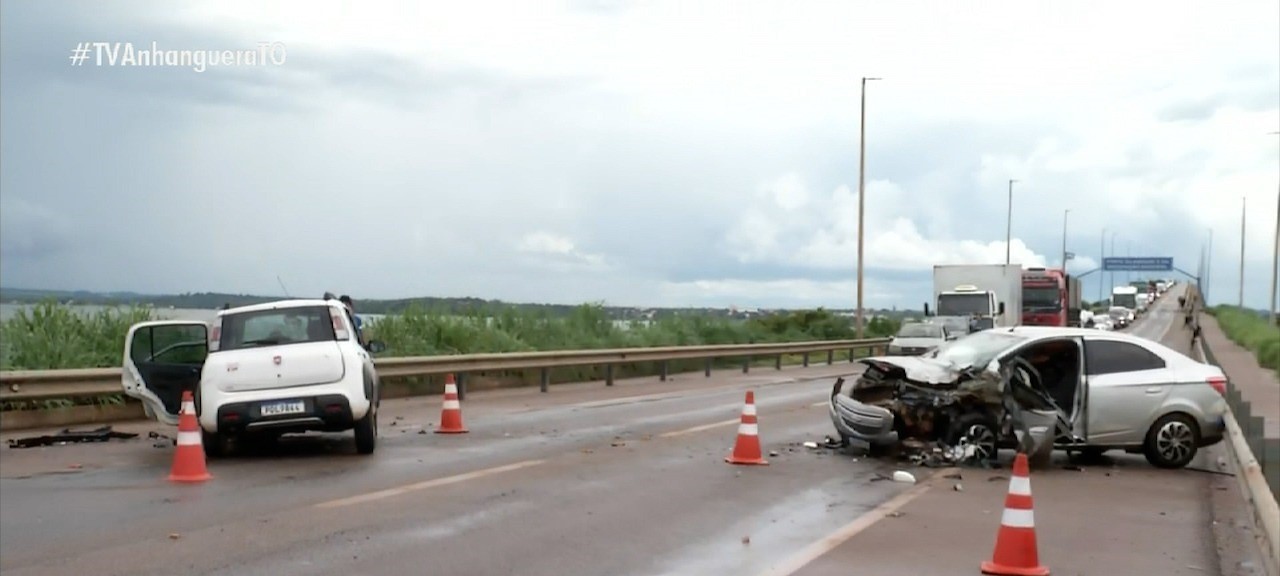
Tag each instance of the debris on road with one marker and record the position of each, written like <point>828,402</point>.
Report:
<point>174,536</point>
<point>68,436</point>
<point>773,453</point>
<point>811,445</point>
<point>905,477</point>
<point>160,440</point>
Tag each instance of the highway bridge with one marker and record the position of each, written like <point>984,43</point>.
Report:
<point>596,480</point>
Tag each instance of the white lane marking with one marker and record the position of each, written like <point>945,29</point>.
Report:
<point>699,428</point>
<point>822,403</point>
<point>1015,518</point>
<point>817,549</point>
<point>427,484</point>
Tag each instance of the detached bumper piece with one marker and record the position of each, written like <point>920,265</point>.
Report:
<point>67,436</point>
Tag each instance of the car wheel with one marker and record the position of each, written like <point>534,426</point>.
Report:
<point>1172,441</point>
<point>367,432</point>
<point>976,430</point>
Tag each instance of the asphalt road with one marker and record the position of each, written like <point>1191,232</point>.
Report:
<point>584,480</point>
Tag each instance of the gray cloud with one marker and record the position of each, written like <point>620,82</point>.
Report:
<point>380,174</point>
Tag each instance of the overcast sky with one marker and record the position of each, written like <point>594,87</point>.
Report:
<point>640,153</point>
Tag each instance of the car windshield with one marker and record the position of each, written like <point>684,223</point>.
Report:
<point>1039,298</point>
<point>977,349</point>
<point>963,304</point>
<point>1125,300</point>
<point>276,327</point>
<point>920,331</point>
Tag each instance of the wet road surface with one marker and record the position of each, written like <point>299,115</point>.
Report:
<point>583,480</point>
<point>586,479</point>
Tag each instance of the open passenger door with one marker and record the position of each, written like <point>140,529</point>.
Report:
<point>163,359</point>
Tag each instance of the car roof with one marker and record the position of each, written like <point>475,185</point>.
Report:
<point>293,303</point>
<point>1059,331</point>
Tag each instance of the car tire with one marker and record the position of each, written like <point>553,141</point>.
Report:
<point>1172,442</point>
<point>366,431</point>
<point>980,429</point>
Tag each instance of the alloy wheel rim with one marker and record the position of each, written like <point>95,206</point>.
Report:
<point>1174,441</point>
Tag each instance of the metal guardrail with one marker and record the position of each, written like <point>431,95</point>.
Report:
<point>47,384</point>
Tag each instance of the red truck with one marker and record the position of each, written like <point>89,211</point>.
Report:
<point>1050,297</point>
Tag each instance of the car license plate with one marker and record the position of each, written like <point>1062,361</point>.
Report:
<point>281,408</point>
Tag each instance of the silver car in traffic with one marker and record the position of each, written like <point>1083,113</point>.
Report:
<point>1109,390</point>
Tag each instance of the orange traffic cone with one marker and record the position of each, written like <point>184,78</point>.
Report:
<point>188,459</point>
<point>451,415</point>
<point>1016,552</point>
<point>747,449</point>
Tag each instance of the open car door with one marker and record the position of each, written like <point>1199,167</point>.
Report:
<point>162,359</point>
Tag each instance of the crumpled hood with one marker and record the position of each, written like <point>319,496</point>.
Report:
<point>915,368</point>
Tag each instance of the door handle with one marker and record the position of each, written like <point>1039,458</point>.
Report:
<point>1154,389</point>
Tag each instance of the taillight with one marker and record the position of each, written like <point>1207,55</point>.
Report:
<point>339,328</point>
<point>215,335</point>
<point>1219,383</point>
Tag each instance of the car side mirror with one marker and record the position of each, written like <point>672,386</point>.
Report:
<point>376,346</point>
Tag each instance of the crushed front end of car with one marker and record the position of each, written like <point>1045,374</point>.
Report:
<point>932,413</point>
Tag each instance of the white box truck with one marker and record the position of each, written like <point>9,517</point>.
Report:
<point>977,296</point>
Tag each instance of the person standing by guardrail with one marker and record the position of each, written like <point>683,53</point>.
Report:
<point>355,319</point>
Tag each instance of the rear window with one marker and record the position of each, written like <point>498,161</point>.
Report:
<point>276,327</point>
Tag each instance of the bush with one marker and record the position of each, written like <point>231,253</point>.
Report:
<point>1251,330</point>
<point>53,336</point>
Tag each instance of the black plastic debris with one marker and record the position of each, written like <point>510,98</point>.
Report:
<point>68,436</point>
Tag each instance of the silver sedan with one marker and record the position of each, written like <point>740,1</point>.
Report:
<point>1106,391</point>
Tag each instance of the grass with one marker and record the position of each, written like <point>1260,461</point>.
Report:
<point>1251,330</point>
<point>55,336</point>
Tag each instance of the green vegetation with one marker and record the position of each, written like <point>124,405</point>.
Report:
<point>1252,330</point>
<point>53,335</point>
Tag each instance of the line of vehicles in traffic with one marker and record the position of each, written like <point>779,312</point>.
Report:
<point>1004,351</point>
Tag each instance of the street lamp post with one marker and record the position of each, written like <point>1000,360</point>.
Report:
<point>862,173</point>
<point>1275,259</point>
<point>1244,202</point>
<point>1102,252</point>
<point>1208,270</point>
<point>1065,213</point>
<point>1008,225</point>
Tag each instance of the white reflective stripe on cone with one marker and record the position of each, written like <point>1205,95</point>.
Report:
<point>748,430</point>
<point>749,410</point>
<point>189,407</point>
<point>452,405</point>
<point>188,438</point>
<point>1015,518</point>
<point>1020,486</point>
<point>451,388</point>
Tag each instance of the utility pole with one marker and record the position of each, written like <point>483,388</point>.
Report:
<point>1102,251</point>
<point>1208,269</point>
<point>1244,202</point>
<point>1065,213</point>
<point>1008,225</point>
<point>862,193</point>
<point>1275,260</point>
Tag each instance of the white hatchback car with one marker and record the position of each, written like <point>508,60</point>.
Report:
<point>259,371</point>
